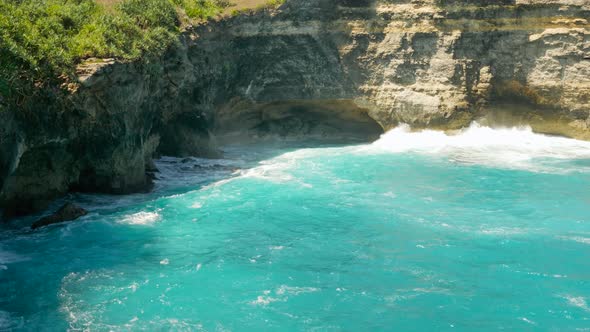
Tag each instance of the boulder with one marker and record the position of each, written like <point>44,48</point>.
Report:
<point>68,212</point>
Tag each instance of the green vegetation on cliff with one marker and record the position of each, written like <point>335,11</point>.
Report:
<point>41,40</point>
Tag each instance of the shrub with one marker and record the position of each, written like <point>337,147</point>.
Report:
<point>150,13</point>
<point>41,40</point>
<point>200,9</point>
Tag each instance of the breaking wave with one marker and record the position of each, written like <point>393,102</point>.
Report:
<point>515,148</point>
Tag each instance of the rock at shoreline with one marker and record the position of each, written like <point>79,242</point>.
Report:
<point>68,212</point>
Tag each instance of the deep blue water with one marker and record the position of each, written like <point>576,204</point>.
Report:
<point>486,230</point>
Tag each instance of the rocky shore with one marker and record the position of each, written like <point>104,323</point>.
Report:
<point>311,68</point>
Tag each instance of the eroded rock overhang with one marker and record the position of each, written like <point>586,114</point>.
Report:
<point>431,63</point>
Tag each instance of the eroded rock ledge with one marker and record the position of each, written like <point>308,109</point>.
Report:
<point>429,63</point>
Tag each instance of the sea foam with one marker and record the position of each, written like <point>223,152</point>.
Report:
<point>515,148</point>
<point>141,218</point>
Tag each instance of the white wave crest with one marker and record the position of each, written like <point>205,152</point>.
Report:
<point>512,148</point>
<point>579,239</point>
<point>277,169</point>
<point>7,257</point>
<point>498,147</point>
<point>142,218</point>
<point>284,289</point>
<point>282,294</point>
<point>577,301</point>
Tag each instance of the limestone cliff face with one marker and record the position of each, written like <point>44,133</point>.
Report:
<point>429,63</point>
<point>312,68</point>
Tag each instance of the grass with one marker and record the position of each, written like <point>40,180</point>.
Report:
<point>42,40</point>
<point>243,6</point>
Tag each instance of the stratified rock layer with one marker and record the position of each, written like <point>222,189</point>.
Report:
<point>428,63</point>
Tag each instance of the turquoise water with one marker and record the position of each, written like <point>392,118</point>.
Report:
<point>485,230</point>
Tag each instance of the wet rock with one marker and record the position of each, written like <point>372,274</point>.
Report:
<point>151,167</point>
<point>68,212</point>
<point>151,176</point>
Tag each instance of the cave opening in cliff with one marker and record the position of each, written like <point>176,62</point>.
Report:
<point>337,121</point>
<point>216,165</point>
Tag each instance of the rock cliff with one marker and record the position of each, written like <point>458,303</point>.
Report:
<point>312,68</point>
